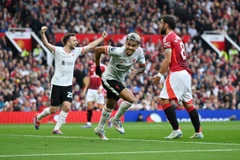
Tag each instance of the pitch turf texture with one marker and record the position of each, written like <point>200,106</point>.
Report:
<point>142,141</point>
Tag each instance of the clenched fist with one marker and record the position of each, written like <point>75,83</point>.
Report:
<point>44,29</point>
<point>104,34</point>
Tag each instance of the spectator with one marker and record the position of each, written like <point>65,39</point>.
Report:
<point>38,53</point>
<point>233,53</point>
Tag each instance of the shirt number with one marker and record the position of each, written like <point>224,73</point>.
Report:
<point>183,52</point>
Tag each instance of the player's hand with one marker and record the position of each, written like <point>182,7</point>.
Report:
<point>98,71</point>
<point>44,29</point>
<point>100,89</point>
<point>133,72</point>
<point>155,80</point>
<point>104,34</point>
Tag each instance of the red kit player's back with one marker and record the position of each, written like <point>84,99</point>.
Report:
<point>95,80</point>
<point>179,57</point>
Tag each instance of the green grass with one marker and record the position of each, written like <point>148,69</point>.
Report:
<point>142,141</point>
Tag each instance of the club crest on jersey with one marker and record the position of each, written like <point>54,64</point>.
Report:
<point>134,60</point>
<point>63,63</point>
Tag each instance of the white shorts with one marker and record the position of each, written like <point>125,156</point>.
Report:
<point>177,87</point>
<point>93,96</point>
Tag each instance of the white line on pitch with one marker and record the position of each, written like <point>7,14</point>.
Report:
<point>114,153</point>
<point>123,139</point>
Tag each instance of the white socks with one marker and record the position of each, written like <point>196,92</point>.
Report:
<point>106,113</point>
<point>61,119</point>
<point>122,109</point>
<point>44,113</point>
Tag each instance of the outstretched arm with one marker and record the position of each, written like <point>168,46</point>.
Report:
<point>44,39</point>
<point>95,43</point>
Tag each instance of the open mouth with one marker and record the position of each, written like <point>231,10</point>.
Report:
<point>128,51</point>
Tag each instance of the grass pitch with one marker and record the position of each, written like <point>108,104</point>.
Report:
<point>142,141</point>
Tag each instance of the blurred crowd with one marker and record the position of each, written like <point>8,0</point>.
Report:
<point>25,80</point>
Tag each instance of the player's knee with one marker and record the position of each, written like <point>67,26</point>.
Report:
<point>53,110</point>
<point>132,100</point>
<point>110,106</point>
<point>66,109</point>
<point>164,101</point>
<point>66,106</point>
<point>187,104</point>
<point>90,105</point>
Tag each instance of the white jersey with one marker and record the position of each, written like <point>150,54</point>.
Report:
<point>120,63</point>
<point>64,65</point>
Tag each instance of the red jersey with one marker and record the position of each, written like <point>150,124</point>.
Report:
<point>179,58</point>
<point>95,80</point>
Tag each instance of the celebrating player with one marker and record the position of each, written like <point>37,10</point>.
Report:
<point>121,62</point>
<point>61,83</point>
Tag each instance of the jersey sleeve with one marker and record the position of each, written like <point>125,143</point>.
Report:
<point>56,50</point>
<point>141,58</point>
<point>167,43</point>
<point>79,50</point>
<point>113,51</point>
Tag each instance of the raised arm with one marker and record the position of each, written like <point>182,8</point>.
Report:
<point>94,44</point>
<point>44,39</point>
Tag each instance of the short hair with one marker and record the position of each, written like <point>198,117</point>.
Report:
<point>170,20</point>
<point>66,37</point>
<point>133,37</point>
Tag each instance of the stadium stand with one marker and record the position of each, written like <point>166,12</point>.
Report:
<point>216,79</point>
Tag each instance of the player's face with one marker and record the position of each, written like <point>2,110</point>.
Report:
<point>73,42</point>
<point>131,47</point>
<point>162,27</point>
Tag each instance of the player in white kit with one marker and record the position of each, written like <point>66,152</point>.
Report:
<point>61,83</point>
<point>121,63</point>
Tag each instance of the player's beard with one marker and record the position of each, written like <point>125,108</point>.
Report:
<point>73,47</point>
<point>163,31</point>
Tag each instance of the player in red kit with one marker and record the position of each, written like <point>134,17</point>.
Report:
<point>95,93</point>
<point>177,85</point>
